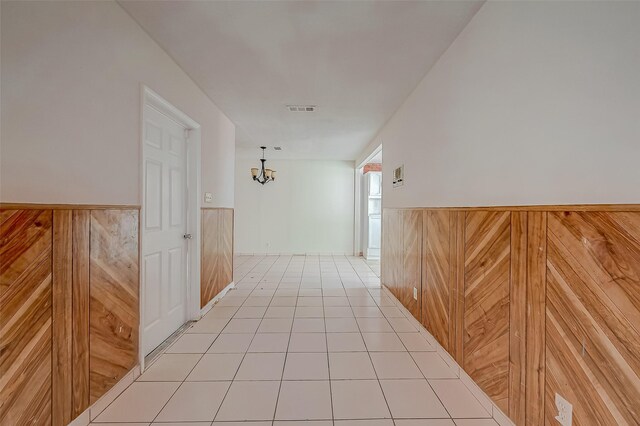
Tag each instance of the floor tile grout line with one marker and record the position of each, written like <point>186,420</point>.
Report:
<point>427,380</point>
<point>376,374</point>
<point>326,338</point>
<point>238,369</point>
<point>375,294</point>
<point>138,381</point>
<point>202,356</point>
<point>405,379</point>
<point>284,365</point>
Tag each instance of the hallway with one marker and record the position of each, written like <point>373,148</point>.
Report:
<point>302,338</point>
<point>342,213</point>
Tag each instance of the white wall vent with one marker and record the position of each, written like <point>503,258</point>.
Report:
<point>398,176</point>
<point>302,108</point>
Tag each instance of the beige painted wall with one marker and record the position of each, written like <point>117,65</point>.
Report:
<point>309,209</point>
<point>534,103</point>
<point>71,83</point>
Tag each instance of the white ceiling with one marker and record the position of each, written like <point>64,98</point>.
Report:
<point>356,60</point>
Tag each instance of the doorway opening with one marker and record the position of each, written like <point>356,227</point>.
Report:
<point>369,211</point>
<point>169,221</point>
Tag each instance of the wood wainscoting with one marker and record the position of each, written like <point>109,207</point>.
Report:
<point>217,252</point>
<point>68,308</point>
<point>25,317</point>
<point>114,298</point>
<point>529,301</point>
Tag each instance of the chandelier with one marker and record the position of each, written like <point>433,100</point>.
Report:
<point>263,175</point>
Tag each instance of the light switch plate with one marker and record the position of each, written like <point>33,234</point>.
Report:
<point>398,176</point>
<point>208,197</point>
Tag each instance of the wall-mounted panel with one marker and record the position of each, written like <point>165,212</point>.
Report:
<point>25,316</point>
<point>114,300</point>
<point>457,299</point>
<point>153,194</point>
<point>593,316</point>
<point>385,247</point>
<point>81,300</point>
<point>437,274</point>
<point>518,318</point>
<point>411,262</point>
<point>210,254</point>
<point>486,317</point>
<point>392,263</point>
<point>535,327</point>
<point>176,258</point>
<point>62,303</point>
<point>226,249</point>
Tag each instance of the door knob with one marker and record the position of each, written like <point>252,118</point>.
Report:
<point>187,236</point>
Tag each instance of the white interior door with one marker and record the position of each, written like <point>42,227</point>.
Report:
<point>164,227</point>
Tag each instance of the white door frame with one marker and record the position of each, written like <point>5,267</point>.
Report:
<point>152,99</point>
<point>357,223</point>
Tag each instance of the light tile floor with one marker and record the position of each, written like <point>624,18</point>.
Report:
<point>300,340</point>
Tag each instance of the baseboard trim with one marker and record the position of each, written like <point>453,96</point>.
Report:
<point>337,253</point>
<point>495,411</point>
<point>206,308</point>
<point>92,412</point>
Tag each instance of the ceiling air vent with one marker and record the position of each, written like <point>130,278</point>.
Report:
<point>302,108</point>
<point>277,148</point>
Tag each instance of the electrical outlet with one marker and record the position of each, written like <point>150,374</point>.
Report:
<point>415,293</point>
<point>208,197</point>
<point>565,411</point>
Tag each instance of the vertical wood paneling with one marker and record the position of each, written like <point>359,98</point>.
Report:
<point>385,237</point>
<point>424,295</point>
<point>411,267</point>
<point>392,261</point>
<point>210,255</point>
<point>25,317</point>
<point>217,253</point>
<point>593,316</point>
<point>536,301</point>
<point>453,270</point>
<point>62,316</point>
<point>397,243</point>
<point>486,319</point>
<point>518,318</point>
<point>456,316</point>
<point>80,340</point>
<point>114,300</point>
<point>226,250</point>
<point>437,288</point>
<point>45,318</point>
